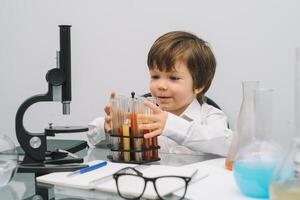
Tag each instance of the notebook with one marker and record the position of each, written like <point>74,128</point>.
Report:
<point>101,179</point>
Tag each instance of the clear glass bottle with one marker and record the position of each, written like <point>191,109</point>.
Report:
<point>286,179</point>
<point>255,162</point>
<point>245,122</point>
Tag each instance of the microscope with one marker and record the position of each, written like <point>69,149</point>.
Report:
<point>37,158</point>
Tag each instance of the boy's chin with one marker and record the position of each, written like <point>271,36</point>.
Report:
<point>164,107</point>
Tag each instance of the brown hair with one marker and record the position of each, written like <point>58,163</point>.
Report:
<point>188,48</point>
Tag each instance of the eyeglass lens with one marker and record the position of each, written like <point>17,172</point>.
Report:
<point>162,185</point>
<point>125,184</point>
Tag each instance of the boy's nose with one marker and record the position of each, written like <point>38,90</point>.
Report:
<point>162,87</point>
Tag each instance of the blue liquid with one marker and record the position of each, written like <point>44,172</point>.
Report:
<point>254,177</point>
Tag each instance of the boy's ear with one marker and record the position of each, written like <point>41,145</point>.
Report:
<point>199,90</point>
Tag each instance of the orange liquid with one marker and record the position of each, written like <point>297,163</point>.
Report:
<point>126,142</point>
<point>147,154</point>
<point>228,164</point>
<point>155,151</point>
<point>134,124</point>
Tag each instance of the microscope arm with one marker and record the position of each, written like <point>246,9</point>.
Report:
<point>34,144</point>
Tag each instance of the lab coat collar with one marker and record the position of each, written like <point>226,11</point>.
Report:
<point>192,112</point>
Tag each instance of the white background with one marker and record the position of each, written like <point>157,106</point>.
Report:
<point>252,40</point>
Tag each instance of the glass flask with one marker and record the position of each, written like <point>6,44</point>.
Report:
<point>254,164</point>
<point>245,122</point>
<point>286,179</point>
<point>8,160</point>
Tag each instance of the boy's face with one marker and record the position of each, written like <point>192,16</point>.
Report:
<point>173,90</point>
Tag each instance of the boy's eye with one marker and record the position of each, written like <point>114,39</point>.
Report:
<point>174,78</point>
<point>154,77</point>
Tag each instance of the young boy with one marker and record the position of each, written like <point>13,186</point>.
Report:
<point>182,67</point>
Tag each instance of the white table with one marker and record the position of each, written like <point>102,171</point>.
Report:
<point>219,184</point>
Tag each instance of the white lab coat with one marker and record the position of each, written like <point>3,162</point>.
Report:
<point>199,129</point>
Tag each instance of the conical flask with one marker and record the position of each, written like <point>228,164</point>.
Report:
<point>245,122</point>
<point>286,178</point>
<point>255,162</point>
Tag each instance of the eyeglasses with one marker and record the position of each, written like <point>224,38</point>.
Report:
<point>129,177</point>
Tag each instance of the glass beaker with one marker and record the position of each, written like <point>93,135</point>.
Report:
<point>254,164</point>
<point>286,178</point>
<point>8,160</point>
<point>245,122</point>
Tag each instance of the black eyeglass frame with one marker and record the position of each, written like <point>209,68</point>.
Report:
<point>119,173</point>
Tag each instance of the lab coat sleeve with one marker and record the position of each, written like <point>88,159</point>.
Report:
<point>209,135</point>
<point>96,131</point>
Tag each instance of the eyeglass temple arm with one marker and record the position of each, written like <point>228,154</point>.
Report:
<point>194,173</point>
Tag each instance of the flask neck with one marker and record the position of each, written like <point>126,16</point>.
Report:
<point>263,113</point>
<point>248,90</point>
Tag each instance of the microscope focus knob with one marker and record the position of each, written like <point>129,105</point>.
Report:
<point>55,77</point>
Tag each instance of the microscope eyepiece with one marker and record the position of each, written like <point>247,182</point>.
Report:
<point>65,66</point>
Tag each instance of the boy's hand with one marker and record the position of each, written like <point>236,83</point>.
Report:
<point>107,119</point>
<point>157,120</point>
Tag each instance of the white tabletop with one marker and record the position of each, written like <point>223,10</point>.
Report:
<point>219,184</point>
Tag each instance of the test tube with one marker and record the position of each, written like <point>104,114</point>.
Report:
<point>126,141</point>
<point>116,122</point>
<point>137,108</point>
<point>155,150</point>
<point>147,142</point>
<point>147,153</point>
<point>125,129</point>
<point>153,141</point>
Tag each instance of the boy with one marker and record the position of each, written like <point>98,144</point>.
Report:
<point>182,67</point>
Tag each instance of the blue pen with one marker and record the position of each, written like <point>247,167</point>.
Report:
<point>89,168</point>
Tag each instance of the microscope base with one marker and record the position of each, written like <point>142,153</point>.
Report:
<point>49,168</point>
<point>57,163</point>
